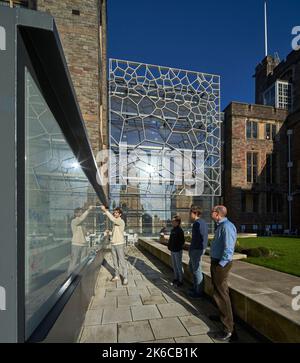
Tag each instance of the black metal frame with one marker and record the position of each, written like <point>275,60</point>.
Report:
<point>41,52</point>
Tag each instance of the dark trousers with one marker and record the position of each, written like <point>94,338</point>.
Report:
<point>219,276</point>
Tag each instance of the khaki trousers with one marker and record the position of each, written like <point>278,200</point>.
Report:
<point>219,276</point>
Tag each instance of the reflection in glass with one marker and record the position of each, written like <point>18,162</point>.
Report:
<point>56,243</point>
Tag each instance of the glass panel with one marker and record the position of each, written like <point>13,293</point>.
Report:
<point>61,231</point>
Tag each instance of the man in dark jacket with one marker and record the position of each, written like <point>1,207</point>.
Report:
<point>196,250</point>
<point>175,245</point>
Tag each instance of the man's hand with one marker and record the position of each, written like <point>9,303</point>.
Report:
<point>103,208</point>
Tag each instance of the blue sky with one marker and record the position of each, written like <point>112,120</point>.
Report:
<point>221,37</point>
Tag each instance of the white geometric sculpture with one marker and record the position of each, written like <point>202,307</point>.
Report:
<point>167,111</point>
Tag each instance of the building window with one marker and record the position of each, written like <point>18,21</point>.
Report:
<point>271,131</point>
<point>274,203</point>
<point>250,202</point>
<point>284,95</point>
<point>252,130</point>
<point>252,158</point>
<point>279,95</point>
<point>271,169</point>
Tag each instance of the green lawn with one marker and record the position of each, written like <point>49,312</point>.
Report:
<point>286,253</point>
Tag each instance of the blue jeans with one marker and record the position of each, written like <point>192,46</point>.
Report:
<point>176,258</point>
<point>195,269</point>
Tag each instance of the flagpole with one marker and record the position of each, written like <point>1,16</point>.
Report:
<point>266,29</point>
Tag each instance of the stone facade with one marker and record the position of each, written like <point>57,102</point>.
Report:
<point>250,203</point>
<point>82,29</point>
<point>235,184</point>
<point>270,70</point>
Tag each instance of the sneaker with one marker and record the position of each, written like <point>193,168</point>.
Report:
<point>116,278</point>
<point>125,282</point>
<point>222,336</point>
<point>174,282</point>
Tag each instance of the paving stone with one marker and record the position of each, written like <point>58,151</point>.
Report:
<point>153,299</point>
<point>117,305</point>
<point>145,312</point>
<point>138,291</point>
<point>172,309</point>
<point>155,291</point>
<point>131,283</point>
<point>131,300</point>
<point>99,334</point>
<point>137,331</point>
<point>110,284</point>
<point>116,292</point>
<point>93,317</point>
<point>195,325</point>
<point>118,315</point>
<point>195,339</point>
<point>103,302</point>
<point>167,328</point>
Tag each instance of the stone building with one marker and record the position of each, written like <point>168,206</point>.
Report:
<point>82,30</point>
<point>261,182</point>
<point>254,186</point>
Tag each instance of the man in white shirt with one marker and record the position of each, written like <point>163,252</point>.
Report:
<point>117,243</point>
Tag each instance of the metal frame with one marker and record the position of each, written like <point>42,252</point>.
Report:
<point>32,41</point>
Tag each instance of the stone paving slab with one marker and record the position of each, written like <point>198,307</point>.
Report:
<point>93,317</point>
<point>172,309</point>
<point>153,299</point>
<point>261,297</point>
<point>116,315</point>
<point>168,328</point>
<point>138,331</point>
<point>145,312</point>
<point>104,302</point>
<point>149,309</point>
<point>196,326</point>
<point>100,334</point>
<point>116,292</point>
<point>131,300</point>
<point>138,291</point>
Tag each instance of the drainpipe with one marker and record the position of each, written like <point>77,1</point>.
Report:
<point>290,165</point>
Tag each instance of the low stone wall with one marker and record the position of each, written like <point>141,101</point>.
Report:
<point>250,301</point>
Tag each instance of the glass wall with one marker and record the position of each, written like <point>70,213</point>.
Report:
<point>63,229</point>
<point>161,120</point>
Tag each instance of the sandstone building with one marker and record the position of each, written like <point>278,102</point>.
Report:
<point>261,152</point>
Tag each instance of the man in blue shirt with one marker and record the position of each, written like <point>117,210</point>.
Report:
<point>196,251</point>
<point>221,251</point>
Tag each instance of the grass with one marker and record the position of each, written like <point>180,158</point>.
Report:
<point>285,253</point>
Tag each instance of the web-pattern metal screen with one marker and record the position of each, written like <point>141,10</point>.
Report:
<point>159,109</point>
